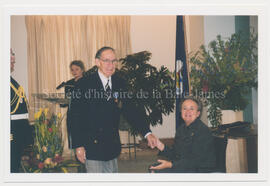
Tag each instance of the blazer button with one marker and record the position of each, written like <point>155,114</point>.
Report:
<point>95,141</point>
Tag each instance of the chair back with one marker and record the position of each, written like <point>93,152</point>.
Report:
<point>220,148</point>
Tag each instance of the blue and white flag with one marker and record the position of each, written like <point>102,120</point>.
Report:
<point>182,85</point>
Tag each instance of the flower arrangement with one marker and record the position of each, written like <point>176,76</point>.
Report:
<point>48,145</point>
<point>224,73</point>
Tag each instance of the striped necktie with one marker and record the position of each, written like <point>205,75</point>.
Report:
<point>108,90</point>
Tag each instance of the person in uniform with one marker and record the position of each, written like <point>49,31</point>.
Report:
<point>193,150</point>
<point>21,133</point>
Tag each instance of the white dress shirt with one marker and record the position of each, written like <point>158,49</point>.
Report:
<point>104,80</point>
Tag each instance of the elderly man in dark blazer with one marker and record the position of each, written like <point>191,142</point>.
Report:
<point>96,116</point>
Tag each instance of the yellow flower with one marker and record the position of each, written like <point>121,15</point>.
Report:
<point>40,110</point>
<point>59,115</point>
<point>48,161</point>
<point>46,111</point>
<point>38,114</point>
<point>44,149</point>
<point>38,156</point>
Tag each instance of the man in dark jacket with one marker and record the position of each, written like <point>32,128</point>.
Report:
<point>96,115</point>
<point>193,149</point>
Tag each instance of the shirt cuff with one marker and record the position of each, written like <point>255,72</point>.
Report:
<point>147,134</point>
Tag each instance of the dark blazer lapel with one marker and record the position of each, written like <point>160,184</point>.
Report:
<point>113,79</point>
<point>99,85</point>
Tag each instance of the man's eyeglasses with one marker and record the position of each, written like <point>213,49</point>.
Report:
<point>109,61</point>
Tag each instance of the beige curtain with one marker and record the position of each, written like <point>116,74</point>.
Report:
<point>55,41</point>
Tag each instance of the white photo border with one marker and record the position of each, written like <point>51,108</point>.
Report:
<point>134,9</point>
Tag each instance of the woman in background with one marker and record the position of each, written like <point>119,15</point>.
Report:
<point>77,70</point>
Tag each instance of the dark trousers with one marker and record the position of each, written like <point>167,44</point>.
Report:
<point>22,136</point>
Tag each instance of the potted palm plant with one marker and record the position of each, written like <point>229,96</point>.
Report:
<point>224,73</point>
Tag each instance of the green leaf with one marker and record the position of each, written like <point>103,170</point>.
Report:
<point>228,65</point>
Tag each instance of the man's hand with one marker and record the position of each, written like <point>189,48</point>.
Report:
<point>80,153</point>
<point>164,165</point>
<point>152,140</point>
<point>160,145</point>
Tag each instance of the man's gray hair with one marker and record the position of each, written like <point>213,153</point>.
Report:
<point>99,52</point>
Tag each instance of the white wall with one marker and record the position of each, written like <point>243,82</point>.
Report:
<point>157,35</point>
<point>194,33</point>
<point>218,25</point>
<point>19,44</point>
